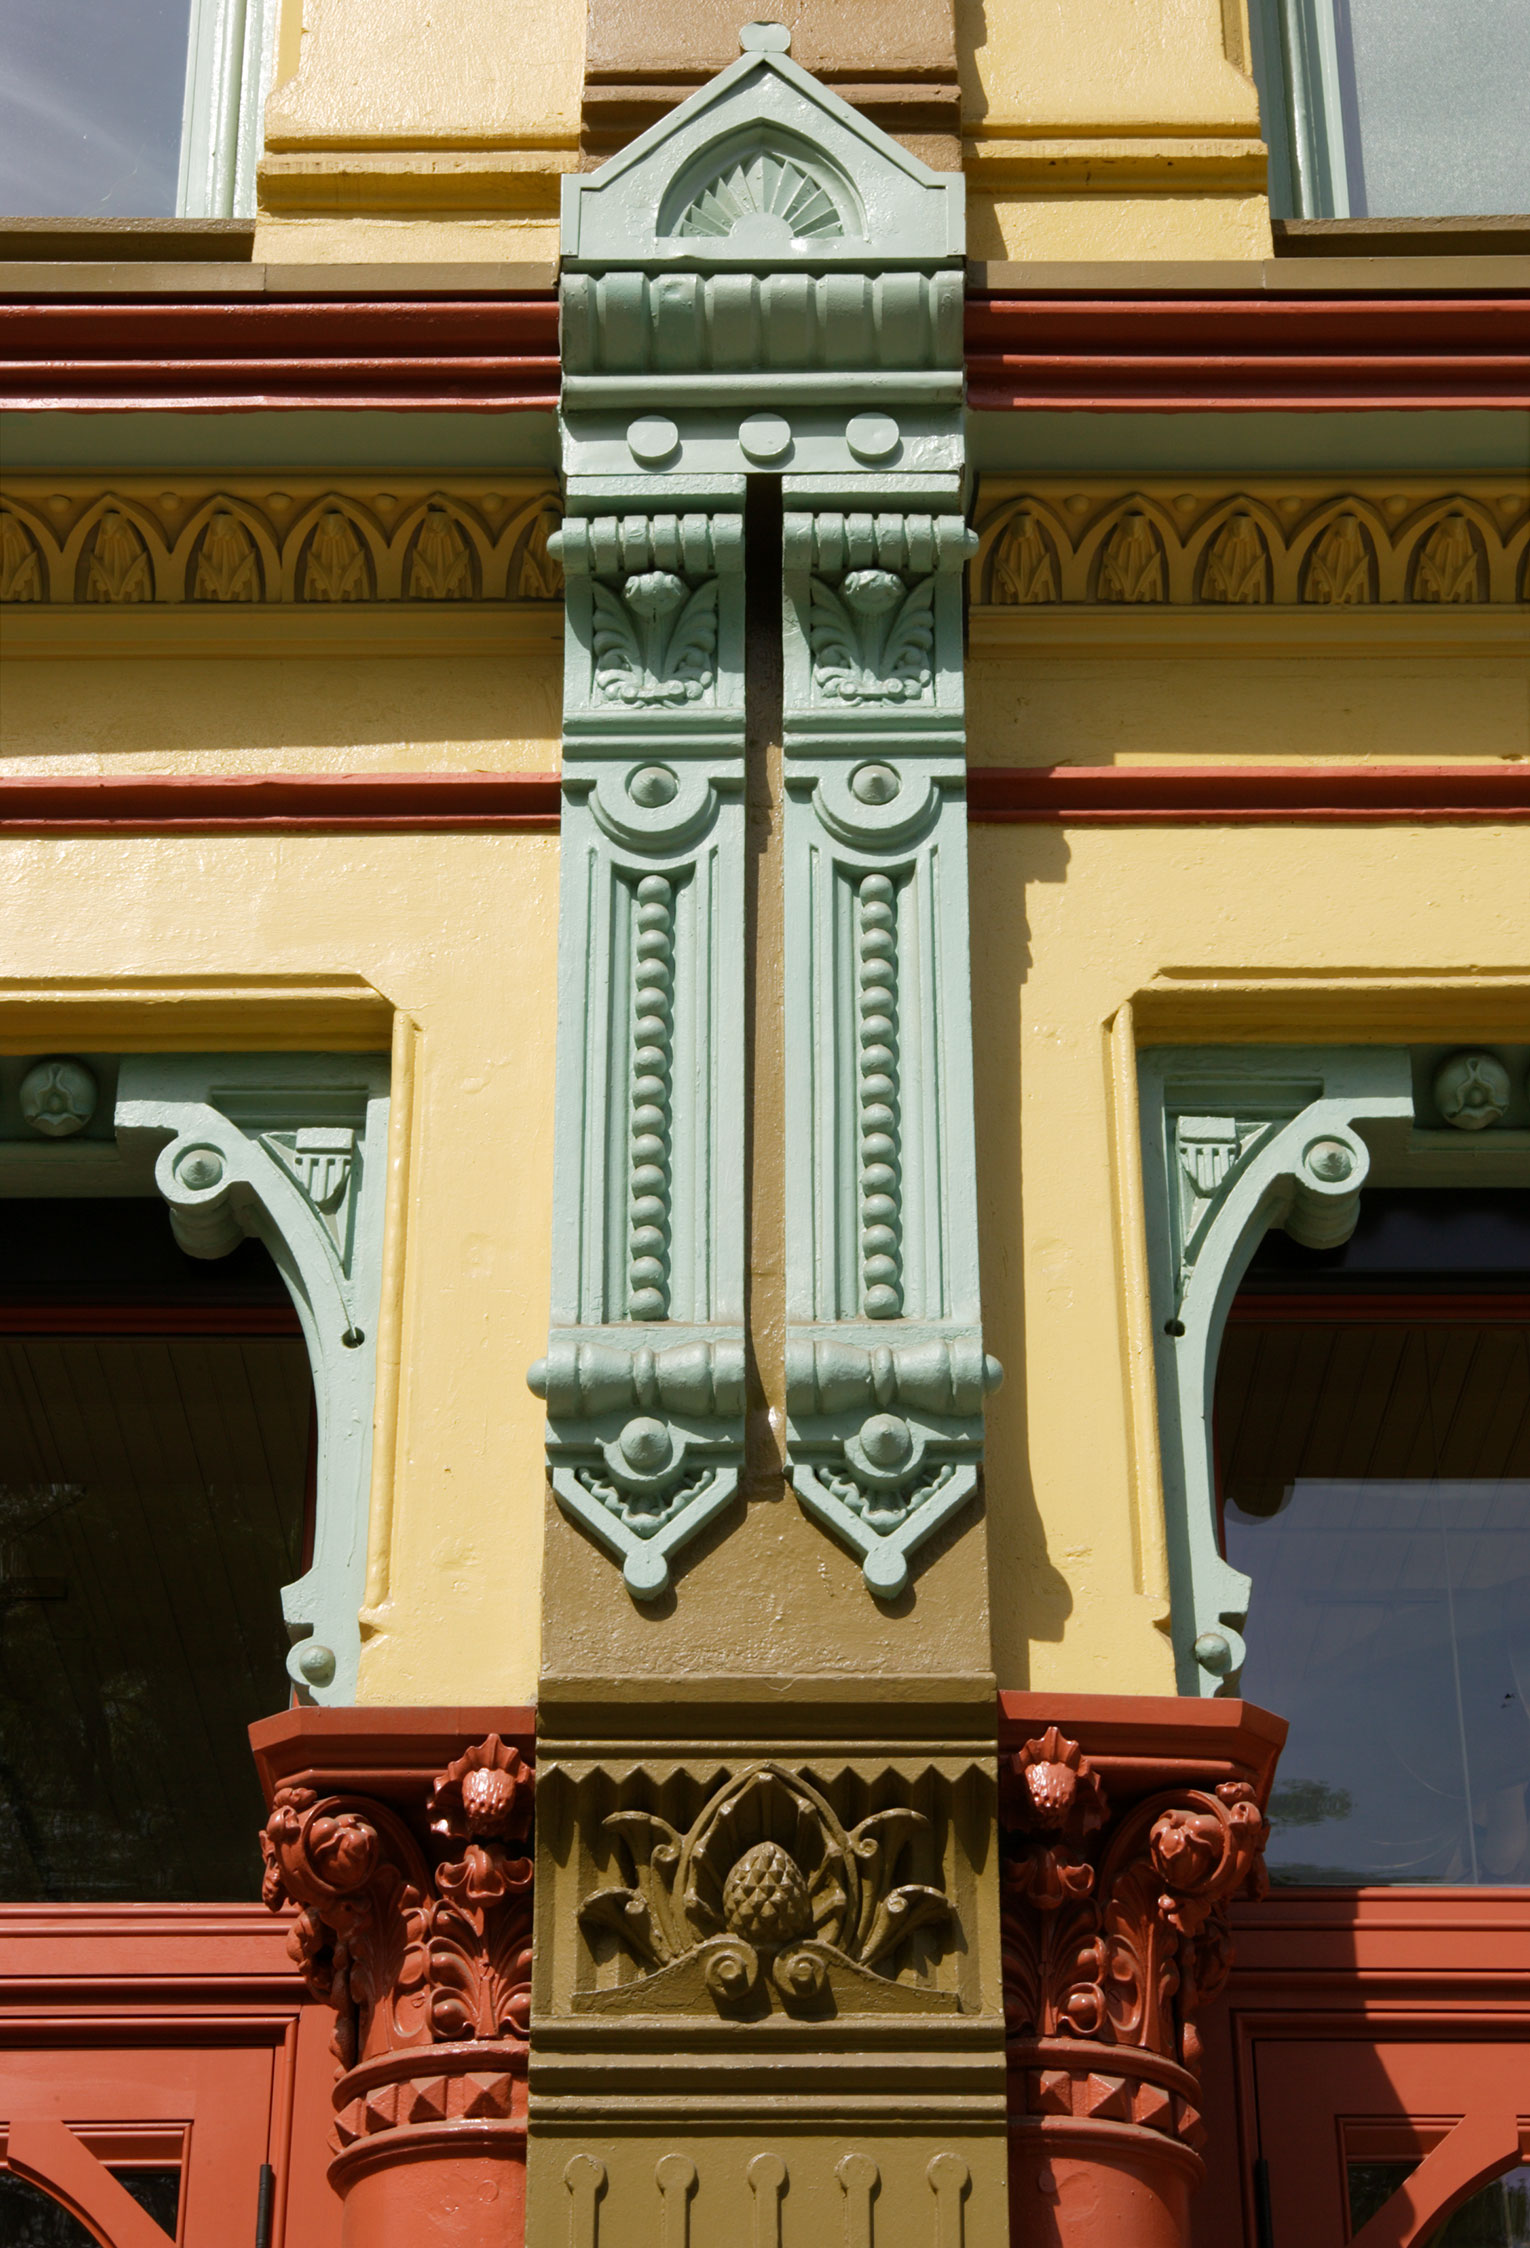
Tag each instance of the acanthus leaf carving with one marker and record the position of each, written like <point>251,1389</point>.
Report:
<point>440,560</point>
<point>1340,568</point>
<point>1449,566</point>
<point>335,566</point>
<point>227,566</point>
<point>411,1953</point>
<point>1237,566</point>
<point>656,639</point>
<point>1115,1928</point>
<point>21,565</point>
<point>117,568</point>
<point>1023,570</point>
<point>873,640</point>
<point>766,1903</point>
<point>1132,561</point>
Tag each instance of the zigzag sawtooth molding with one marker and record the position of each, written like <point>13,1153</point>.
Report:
<point>290,1148</point>
<point>886,1372</point>
<point>1236,1141</point>
<point>764,283</point>
<point>1286,541</point>
<point>250,542</point>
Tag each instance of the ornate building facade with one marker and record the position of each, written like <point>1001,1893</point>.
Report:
<point>765,1106</point>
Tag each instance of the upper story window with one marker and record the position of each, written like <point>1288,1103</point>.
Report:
<point>132,108</point>
<point>1395,108</point>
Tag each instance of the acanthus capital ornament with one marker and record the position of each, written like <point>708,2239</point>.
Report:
<point>421,1946</point>
<point>1115,1933</point>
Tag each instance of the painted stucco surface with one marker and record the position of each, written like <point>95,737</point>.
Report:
<point>1238,936</point>
<point>314,942</point>
<point>378,706</point>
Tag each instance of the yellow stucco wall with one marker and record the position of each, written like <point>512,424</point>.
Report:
<point>420,129</point>
<point>1230,934</point>
<point>426,129</point>
<point>219,942</point>
<point>307,691</point>
<point>1113,129</point>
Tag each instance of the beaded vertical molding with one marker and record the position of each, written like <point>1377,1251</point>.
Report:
<point>885,1367</point>
<point>644,1373</point>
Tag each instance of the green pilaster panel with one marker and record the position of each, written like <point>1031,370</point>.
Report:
<point>765,284</point>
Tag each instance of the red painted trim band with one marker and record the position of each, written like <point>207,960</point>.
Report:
<point>1060,795</point>
<point>1186,796</point>
<point>409,355</point>
<point>289,803</point>
<point>1247,354</point>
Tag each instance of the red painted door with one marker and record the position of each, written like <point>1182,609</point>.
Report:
<point>76,2121</point>
<point>1400,2132</point>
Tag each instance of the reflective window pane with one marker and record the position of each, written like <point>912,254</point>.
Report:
<point>91,93</point>
<point>1376,1487</point>
<point>1436,104</point>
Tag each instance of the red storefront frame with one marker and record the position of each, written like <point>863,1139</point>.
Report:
<point>1366,2024</point>
<point>163,2035</point>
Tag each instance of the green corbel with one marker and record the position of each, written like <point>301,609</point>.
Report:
<point>1236,1141</point>
<point>885,1367</point>
<point>290,1148</point>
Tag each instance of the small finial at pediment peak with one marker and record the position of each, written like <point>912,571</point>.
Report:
<point>765,38</point>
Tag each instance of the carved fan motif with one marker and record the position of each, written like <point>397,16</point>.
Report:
<point>766,200</point>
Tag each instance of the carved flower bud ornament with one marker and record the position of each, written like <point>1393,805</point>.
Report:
<point>485,1795</point>
<point>765,1898</point>
<point>1472,1091</point>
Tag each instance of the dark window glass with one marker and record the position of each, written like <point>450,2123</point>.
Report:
<point>154,1470</point>
<point>1497,2217</point>
<point>1373,1441</point>
<point>91,93</point>
<point>30,2218</point>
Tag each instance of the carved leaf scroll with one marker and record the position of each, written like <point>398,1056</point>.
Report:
<point>1116,1930</point>
<point>766,1902</point>
<point>873,640</point>
<point>656,639</point>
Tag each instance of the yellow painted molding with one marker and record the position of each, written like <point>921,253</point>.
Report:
<point>402,1084</point>
<point>1108,164</point>
<point>1267,543</point>
<point>385,632</point>
<point>414,181</point>
<point>172,1014</point>
<point>1136,633</point>
<point>250,542</point>
<point>1150,1552</point>
<point>1416,1005</point>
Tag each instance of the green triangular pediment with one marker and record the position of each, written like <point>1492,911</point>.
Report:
<point>763,167</point>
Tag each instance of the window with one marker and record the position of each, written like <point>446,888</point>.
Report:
<point>1395,108</point>
<point>1372,1422</point>
<point>132,108</point>
<point>156,1482</point>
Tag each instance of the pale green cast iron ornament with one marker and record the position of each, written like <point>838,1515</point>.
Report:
<point>763,283</point>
